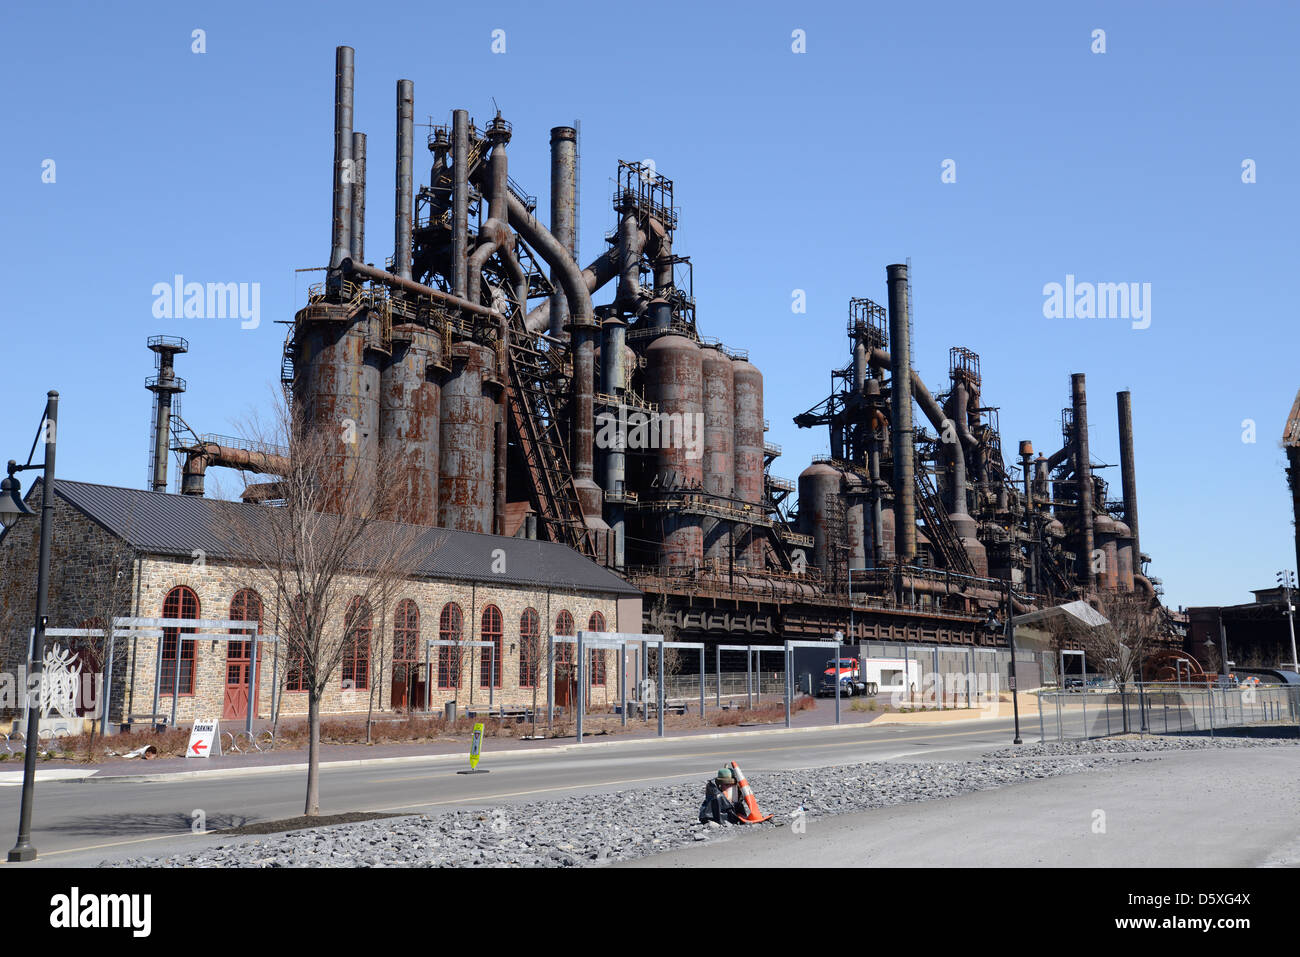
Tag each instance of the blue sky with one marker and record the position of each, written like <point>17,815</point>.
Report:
<point>793,171</point>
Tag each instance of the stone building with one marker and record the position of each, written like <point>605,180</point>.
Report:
<point>120,551</point>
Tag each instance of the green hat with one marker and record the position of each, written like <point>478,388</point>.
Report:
<point>724,774</point>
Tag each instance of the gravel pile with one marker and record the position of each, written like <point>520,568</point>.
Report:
<point>1134,745</point>
<point>586,830</point>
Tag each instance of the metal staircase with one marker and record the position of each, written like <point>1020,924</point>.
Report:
<point>940,531</point>
<point>536,425</point>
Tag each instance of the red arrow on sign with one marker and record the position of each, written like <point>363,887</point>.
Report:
<point>197,745</point>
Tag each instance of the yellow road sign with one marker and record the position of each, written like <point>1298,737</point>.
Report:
<point>475,746</point>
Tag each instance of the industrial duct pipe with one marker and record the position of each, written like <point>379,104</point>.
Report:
<point>583,331</point>
<point>403,187</point>
<point>602,269</point>
<point>901,408</point>
<point>201,457</point>
<point>1083,471</point>
<point>349,267</point>
<point>341,238</point>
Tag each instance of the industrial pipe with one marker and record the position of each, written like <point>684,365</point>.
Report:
<point>403,187</point>
<point>204,455</point>
<point>342,212</point>
<point>631,242</point>
<point>602,269</point>
<point>348,267</point>
<point>358,242</point>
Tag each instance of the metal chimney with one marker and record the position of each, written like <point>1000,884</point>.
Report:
<point>402,207</point>
<point>900,370</point>
<point>1083,471</point>
<point>564,151</point>
<point>359,197</point>
<point>164,385</point>
<point>1127,474</point>
<point>342,214</point>
<point>460,202</point>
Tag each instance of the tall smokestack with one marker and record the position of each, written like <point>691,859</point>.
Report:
<point>402,200</point>
<point>900,370</point>
<point>459,202</point>
<point>359,197</point>
<point>564,152</point>
<point>341,237</point>
<point>1128,475</point>
<point>1083,471</point>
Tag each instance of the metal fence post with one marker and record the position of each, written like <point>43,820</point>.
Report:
<point>1042,733</point>
<point>702,685</point>
<point>749,678</point>
<point>788,691</point>
<point>717,658</point>
<point>581,688</point>
<point>660,683</point>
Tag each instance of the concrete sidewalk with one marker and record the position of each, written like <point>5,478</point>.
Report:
<point>1235,808</point>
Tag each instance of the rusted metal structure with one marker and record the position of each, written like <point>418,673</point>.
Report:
<point>474,369</point>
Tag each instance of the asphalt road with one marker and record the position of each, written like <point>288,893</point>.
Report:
<point>83,822</point>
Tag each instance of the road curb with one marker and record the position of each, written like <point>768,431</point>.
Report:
<point>215,773</point>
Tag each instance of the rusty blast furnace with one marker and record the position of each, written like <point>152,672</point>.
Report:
<point>473,367</point>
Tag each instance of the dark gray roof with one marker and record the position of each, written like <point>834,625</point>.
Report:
<point>158,523</point>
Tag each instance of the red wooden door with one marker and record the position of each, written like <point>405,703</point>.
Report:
<point>239,670</point>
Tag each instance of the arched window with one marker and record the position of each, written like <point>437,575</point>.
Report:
<point>564,650</point>
<point>406,633</point>
<point>490,663</point>
<point>530,651</point>
<point>449,629</point>
<point>597,623</point>
<point>357,628</point>
<point>245,606</point>
<point>178,653</point>
<point>295,652</point>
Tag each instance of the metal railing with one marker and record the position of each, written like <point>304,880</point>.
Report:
<point>1160,709</point>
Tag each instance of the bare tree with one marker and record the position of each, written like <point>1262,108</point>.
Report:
<point>1120,647</point>
<point>329,554</point>
<point>104,595</point>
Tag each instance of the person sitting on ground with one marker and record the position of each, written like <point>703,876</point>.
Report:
<point>720,799</point>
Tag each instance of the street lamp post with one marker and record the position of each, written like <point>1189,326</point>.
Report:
<point>1009,629</point>
<point>11,509</point>
<point>1287,580</point>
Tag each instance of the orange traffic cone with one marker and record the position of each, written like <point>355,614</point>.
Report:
<point>752,814</point>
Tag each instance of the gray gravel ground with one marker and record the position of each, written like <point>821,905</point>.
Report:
<point>591,830</point>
